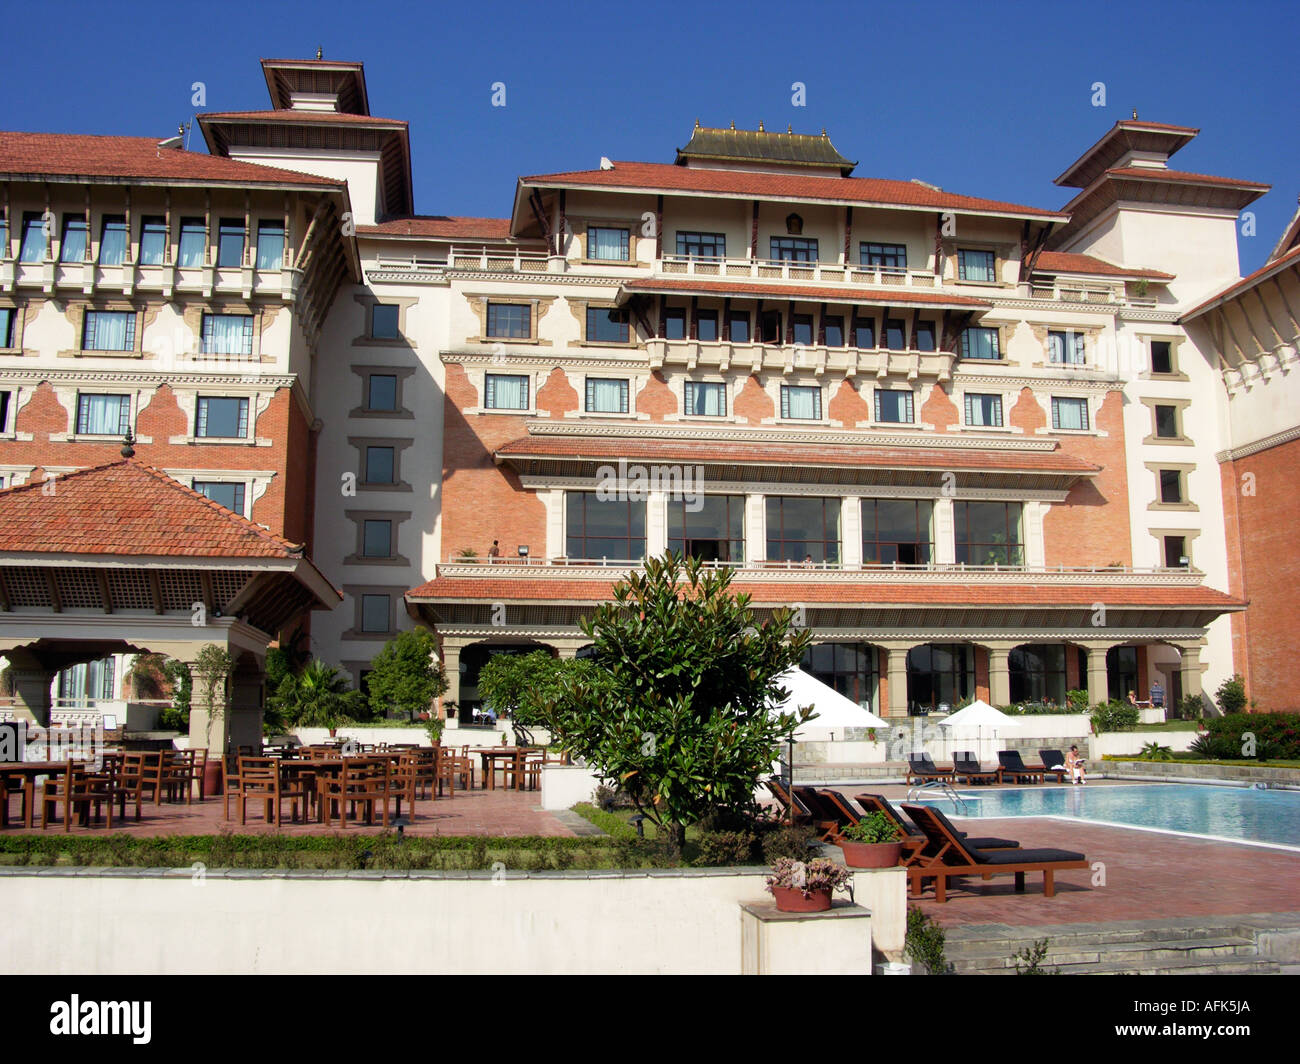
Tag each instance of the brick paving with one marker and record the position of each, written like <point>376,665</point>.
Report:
<point>478,812</point>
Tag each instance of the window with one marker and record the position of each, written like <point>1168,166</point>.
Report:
<point>231,496</point>
<point>230,242</point>
<point>223,418</point>
<point>849,668</point>
<point>6,326</point>
<point>384,321</point>
<point>1176,552</point>
<point>375,610</point>
<point>706,325</point>
<point>109,330</point>
<point>924,338</point>
<point>153,240</point>
<point>381,391</point>
<point>1038,672</point>
<point>939,674</point>
<point>675,323</point>
<point>1069,413</point>
<point>706,399</point>
<point>227,334</point>
<point>270,245</point>
<point>893,407</point>
<point>505,392</point>
<point>194,239</point>
<point>702,245</point>
<point>802,327</point>
<point>380,465</point>
<point>897,530</point>
<point>510,320</point>
<point>606,326</point>
<point>887,256</point>
<point>1167,422</point>
<point>1066,348</point>
<point>34,238</point>
<point>1171,485</point>
<point>834,329</point>
<point>112,240</point>
<point>801,402</point>
<point>72,246</point>
<point>713,532</point>
<point>983,411</point>
<point>864,333</point>
<point>1162,356</point>
<point>769,327</point>
<point>975,265</point>
<point>4,411</point>
<point>738,327</point>
<point>979,342</point>
<point>604,528</point>
<point>794,249</point>
<point>802,529</point>
<point>896,334</point>
<point>1121,672</point>
<point>376,539</point>
<point>609,245</point>
<point>606,396</point>
<point>988,533</point>
<point>103,415</point>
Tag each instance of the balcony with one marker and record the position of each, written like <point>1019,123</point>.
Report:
<point>130,278</point>
<point>785,270</point>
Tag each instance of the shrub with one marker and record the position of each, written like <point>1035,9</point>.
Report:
<point>872,828</point>
<point>924,943</point>
<point>172,719</point>
<point>1033,958</point>
<point>1189,707</point>
<point>725,848</point>
<point>1077,701</point>
<point>788,840</point>
<point>1114,716</point>
<point>1231,695</point>
<point>1155,752</point>
<point>1257,735</point>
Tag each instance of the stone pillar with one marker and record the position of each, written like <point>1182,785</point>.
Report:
<point>896,676</point>
<point>945,544</point>
<point>554,503</point>
<point>851,532</point>
<point>451,664</point>
<point>31,682</point>
<point>1190,669</point>
<point>239,723</point>
<point>999,674</point>
<point>755,529</point>
<point>656,524</point>
<point>1098,685</point>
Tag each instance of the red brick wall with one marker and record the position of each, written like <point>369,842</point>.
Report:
<point>656,398</point>
<point>982,673</point>
<point>284,508</point>
<point>847,407</point>
<point>753,404</point>
<point>1265,569</point>
<point>940,411</point>
<point>482,501</point>
<point>555,398</point>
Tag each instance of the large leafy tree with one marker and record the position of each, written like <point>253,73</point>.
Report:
<point>407,675</point>
<point>524,687</point>
<point>678,705</point>
<point>317,697</point>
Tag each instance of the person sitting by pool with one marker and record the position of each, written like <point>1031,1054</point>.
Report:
<point>1074,764</point>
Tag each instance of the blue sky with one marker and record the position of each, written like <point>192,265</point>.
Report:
<point>986,99</point>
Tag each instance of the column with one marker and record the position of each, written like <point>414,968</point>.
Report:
<point>755,529</point>
<point>851,532</point>
<point>451,663</point>
<point>31,682</point>
<point>243,717</point>
<point>945,547</point>
<point>553,500</point>
<point>1190,669</point>
<point>896,676</point>
<point>1034,546</point>
<point>656,524</point>
<point>1098,684</point>
<point>999,674</point>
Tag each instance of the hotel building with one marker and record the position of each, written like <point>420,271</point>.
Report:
<point>981,448</point>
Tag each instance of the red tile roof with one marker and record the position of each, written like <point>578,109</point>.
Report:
<point>1184,177</point>
<point>439,225</point>
<point>798,293</point>
<point>740,452</point>
<point>1280,263</point>
<point>288,114</point>
<point>1068,262</point>
<point>86,156</point>
<point>835,591</point>
<point>131,509</point>
<point>671,178</point>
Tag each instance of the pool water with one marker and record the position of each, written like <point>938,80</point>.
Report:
<point>1265,816</point>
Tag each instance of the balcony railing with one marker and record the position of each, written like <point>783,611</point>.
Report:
<point>124,279</point>
<point>785,270</point>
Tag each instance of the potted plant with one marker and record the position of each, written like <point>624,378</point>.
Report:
<point>806,886</point>
<point>873,842</point>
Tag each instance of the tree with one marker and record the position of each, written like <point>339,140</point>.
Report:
<point>407,675</point>
<point>318,696</point>
<point>210,674</point>
<point>523,687</point>
<point>1231,695</point>
<point>676,704</point>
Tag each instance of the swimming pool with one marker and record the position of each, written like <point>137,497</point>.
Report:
<point>1240,813</point>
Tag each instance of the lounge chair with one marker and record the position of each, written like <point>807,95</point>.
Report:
<point>922,767</point>
<point>1050,759</point>
<point>878,803</point>
<point>955,857</point>
<point>787,801</point>
<point>966,767</point>
<point>826,817</point>
<point>1014,767</point>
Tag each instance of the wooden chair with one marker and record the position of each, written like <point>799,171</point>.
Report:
<point>200,759</point>
<point>360,784</point>
<point>914,840</point>
<point>77,789</point>
<point>1013,766</point>
<point>178,775</point>
<point>454,766</point>
<point>424,762</point>
<point>402,780</point>
<point>533,770</point>
<point>259,779</point>
<point>127,773</point>
<point>511,770</point>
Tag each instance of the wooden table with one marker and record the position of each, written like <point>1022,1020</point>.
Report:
<point>494,754</point>
<point>27,771</point>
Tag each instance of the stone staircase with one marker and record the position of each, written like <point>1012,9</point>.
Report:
<point>1253,944</point>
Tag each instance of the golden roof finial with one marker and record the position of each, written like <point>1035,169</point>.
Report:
<point>823,131</point>
<point>760,127</point>
<point>733,123</point>
<point>790,128</point>
<point>1135,114</point>
<point>319,52</point>
<point>697,123</point>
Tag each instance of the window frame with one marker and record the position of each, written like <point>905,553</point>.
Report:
<point>798,246</point>
<point>612,314</point>
<point>205,338</point>
<point>1081,402</point>
<point>926,545</point>
<point>73,220</point>
<point>115,223</point>
<point>625,243</point>
<point>132,328</point>
<point>493,307</point>
<point>228,228</point>
<point>269,229</point>
<point>589,394</point>
<point>489,391</point>
<point>372,333</point>
<point>908,400</point>
<point>687,237</point>
<point>988,330</point>
<point>779,537</point>
<point>201,416</point>
<point>691,387</point>
<point>963,268</point>
<point>571,535</point>
<point>961,520</point>
<point>154,225</point>
<point>885,251</point>
<point>787,389</point>
<point>369,396</point>
<point>239,487</point>
<point>364,552</point>
<point>1073,346</point>
<point>124,414</point>
<point>967,406</point>
<point>392,482</point>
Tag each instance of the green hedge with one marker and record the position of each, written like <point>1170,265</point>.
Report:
<point>1276,736</point>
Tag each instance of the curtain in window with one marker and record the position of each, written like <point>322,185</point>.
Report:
<point>109,331</point>
<point>72,248</point>
<point>112,243</point>
<point>227,334</point>
<point>983,410</point>
<point>34,240</point>
<point>102,415</point>
<point>1071,414</point>
<point>607,397</point>
<point>507,393</point>
<point>153,240</point>
<point>270,247</point>
<point>607,244</point>
<point>803,403</point>
<point>191,249</point>
<point>705,399</point>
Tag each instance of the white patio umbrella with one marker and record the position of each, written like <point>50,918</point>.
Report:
<point>979,715</point>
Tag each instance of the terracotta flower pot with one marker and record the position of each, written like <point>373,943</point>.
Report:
<point>212,780</point>
<point>792,900</point>
<point>870,854</point>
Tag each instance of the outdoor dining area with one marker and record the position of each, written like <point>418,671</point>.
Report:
<point>332,784</point>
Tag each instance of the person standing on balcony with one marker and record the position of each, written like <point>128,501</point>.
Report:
<point>494,553</point>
